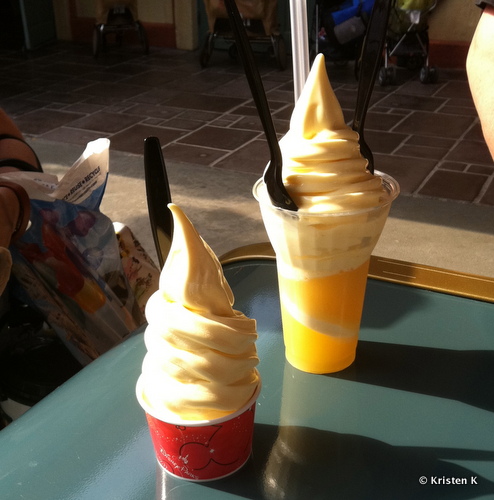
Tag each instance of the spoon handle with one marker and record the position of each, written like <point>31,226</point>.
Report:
<point>272,175</point>
<point>371,56</point>
<point>158,196</point>
<point>252,74</point>
<point>370,61</point>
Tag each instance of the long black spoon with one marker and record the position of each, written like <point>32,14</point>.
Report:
<point>369,65</point>
<point>272,175</point>
<point>158,196</point>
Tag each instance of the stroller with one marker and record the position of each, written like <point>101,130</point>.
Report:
<point>116,17</point>
<point>407,39</point>
<point>259,18</point>
<point>339,29</point>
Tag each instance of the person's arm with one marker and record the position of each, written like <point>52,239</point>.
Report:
<point>15,155</point>
<point>9,215</point>
<point>14,218</point>
<point>14,212</point>
<point>480,70</point>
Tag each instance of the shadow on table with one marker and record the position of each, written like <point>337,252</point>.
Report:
<point>465,376</point>
<point>388,303</point>
<point>293,463</point>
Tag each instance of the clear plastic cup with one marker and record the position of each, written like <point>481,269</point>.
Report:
<point>202,450</point>
<point>322,262</point>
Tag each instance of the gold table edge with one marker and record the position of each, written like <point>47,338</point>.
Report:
<point>394,271</point>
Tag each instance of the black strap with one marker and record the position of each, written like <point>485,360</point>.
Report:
<point>20,164</point>
<point>483,4</point>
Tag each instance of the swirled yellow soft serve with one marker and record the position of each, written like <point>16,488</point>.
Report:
<point>201,354</point>
<point>323,169</point>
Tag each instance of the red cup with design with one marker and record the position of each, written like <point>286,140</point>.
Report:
<point>202,450</point>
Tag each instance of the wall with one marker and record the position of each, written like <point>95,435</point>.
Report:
<point>451,27</point>
<point>454,20</point>
<point>62,19</point>
<point>149,11</point>
<point>186,32</point>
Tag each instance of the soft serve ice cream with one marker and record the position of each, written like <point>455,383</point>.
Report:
<point>201,355</point>
<point>323,249</point>
<point>323,169</point>
<point>324,172</point>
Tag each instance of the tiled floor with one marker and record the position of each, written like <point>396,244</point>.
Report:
<point>427,136</point>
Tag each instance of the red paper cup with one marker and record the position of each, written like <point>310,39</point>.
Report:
<point>202,450</point>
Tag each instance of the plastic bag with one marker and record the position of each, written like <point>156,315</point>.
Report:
<point>67,264</point>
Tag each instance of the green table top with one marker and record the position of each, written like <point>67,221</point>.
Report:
<point>417,406</point>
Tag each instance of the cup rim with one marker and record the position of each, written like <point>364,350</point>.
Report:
<point>390,183</point>
<point>195,423</point>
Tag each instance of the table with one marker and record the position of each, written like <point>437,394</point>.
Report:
<point>413,417</point>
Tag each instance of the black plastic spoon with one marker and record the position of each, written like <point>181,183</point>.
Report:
<point>272,175</point>
<point>369,66</point>
<point>158,196</point>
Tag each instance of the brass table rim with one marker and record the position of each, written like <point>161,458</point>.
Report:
<point>395,271</point>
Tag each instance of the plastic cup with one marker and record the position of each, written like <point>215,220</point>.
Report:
<point>322,262</point>
<point>202,450</point>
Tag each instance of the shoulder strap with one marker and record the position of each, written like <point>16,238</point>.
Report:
<point>20,164</point>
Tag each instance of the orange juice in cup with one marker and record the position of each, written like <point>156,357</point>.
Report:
<point>322,262</point>
<point>325,304</point>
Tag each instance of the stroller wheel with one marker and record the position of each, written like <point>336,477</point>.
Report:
<point>424,74</point>
<point>119,38</point>
<point>433,74</point>
<point>381,77</point>
<point>428,74</point>
<point>207,50</point>
<point>233,51</point>
<point>98,39</point>
<point>279,48</point>
<point>142,37</point>
<point>387,76</point>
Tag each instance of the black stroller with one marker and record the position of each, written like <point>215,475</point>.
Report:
<point>339,28</point>
<point>407,39</point>
<point>259,17</point>
<point>115,17</point>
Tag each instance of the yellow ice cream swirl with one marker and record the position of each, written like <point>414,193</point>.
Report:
<point>201,355</point>
<point>322,167</point>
